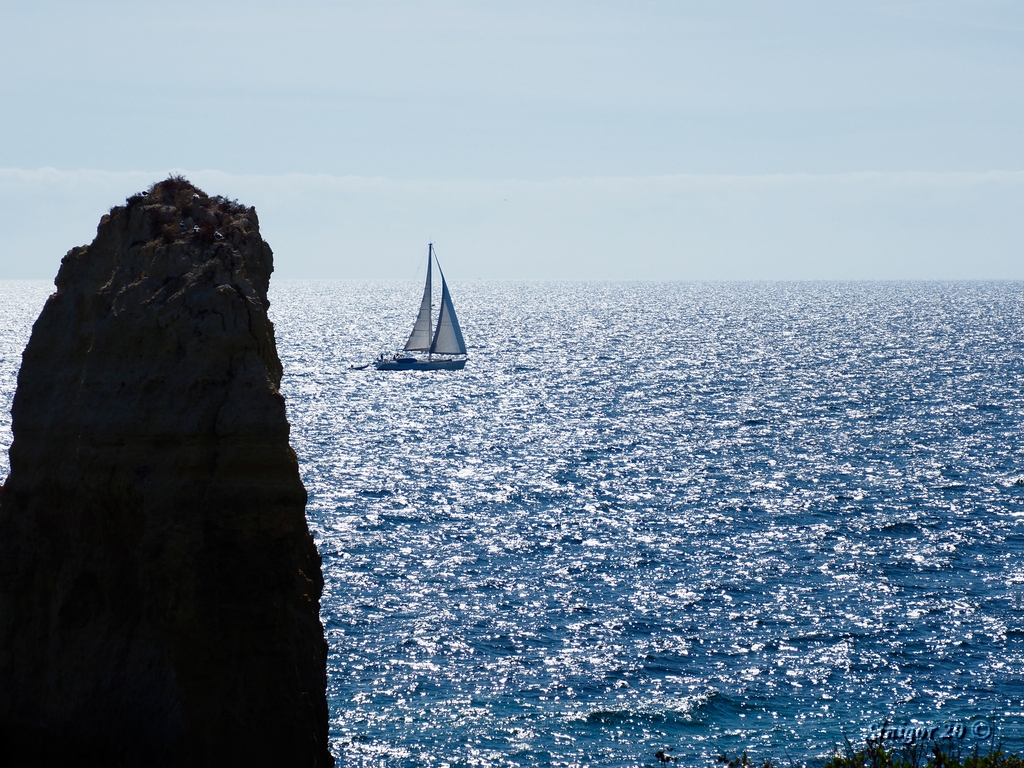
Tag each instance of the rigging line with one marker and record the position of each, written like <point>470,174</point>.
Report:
<point>418,266</point>
<point>438,264</point>
<point>420,277</point>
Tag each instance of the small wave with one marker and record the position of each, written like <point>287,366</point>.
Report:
<point>901,527</point>
<point>689,709</point>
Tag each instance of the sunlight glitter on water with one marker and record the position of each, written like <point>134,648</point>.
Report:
<point>21,301</point>
<point>650,515</point>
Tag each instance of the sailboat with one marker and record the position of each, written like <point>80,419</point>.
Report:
<point>444,345</point>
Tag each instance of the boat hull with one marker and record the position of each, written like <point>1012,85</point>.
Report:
<point>415,364</point>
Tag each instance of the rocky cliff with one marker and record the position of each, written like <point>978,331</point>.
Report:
<point>159,589</point>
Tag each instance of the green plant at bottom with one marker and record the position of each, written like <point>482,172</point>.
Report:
<point>875,755</point>
<point>743,762</point>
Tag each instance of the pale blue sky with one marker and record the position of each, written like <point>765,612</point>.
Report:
<point>655,140</point>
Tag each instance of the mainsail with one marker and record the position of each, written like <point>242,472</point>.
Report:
<point>419,339</point>
<point>448,336</point>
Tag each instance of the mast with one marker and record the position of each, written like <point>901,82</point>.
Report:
<point>430,258</point>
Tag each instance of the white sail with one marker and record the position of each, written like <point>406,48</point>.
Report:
<point>448,337</point>
<point>419,339</point>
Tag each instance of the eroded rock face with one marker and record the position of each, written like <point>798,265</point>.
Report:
<point>159,589</point>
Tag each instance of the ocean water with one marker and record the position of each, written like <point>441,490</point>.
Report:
<point>688,518</point>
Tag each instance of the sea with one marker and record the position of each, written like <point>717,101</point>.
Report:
<point>653,523</point>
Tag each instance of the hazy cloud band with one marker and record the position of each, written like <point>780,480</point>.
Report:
<point>908,225</point>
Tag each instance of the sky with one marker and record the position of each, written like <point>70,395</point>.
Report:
<point>532,140</point>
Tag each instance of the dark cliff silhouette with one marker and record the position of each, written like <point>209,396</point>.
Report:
<point>159,589</point>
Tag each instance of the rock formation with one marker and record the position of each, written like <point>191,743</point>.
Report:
<point>159,589</point>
